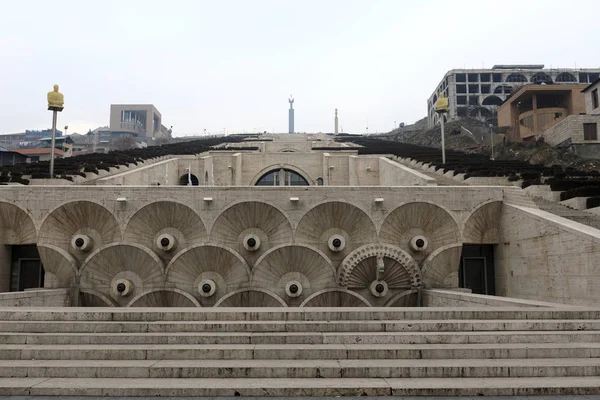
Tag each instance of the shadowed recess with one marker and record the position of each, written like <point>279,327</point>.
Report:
<point>164,298</point>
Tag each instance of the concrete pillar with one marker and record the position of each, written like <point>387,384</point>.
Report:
<point>535,122</point>
<point>5,267</point>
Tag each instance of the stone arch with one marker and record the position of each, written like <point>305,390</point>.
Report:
<point>287,263</point>
<point>335,298</point>
<point>267,222</point>
<point>541,77</point>
<point>91,298</point>
<point>516,78</point>
<point>213,262</point>
<point>410,274</point>
<point>433,222</point>
<point>273,167</point>
<point>60,267</point>
<point>407,298</point>
<point>330,218</point>
<point>79,217</point>
<point>165,217</point>
<point>441,268</point>
<point>503,89</point>
<point>482,225</point>
<point>492,101</point>
<point>133,262</point>
<point>185,179</point>
<point>565,77</point>
<point>164,298</point>
<point>16,225</point>
<point>251,298</point>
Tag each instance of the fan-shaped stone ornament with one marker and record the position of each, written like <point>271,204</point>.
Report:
<point>91,298</point>
<point>441,268</point>
<point>483,225</point>
<point>321,225</point>
<point>433,223</point>
<point>166,227</point>
<point>110,266</point>
<point>251,298</point>
<point>284,264</point>
<point>60,267</point>
<point>335,298</point>
<point>164,298</point>
<point>399,268</point>
<point>241,222</point>
<point>215,265</point>
<point>16,226</point>
<point>76,220</point>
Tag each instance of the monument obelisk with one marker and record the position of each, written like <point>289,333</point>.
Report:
<point>291,115</point>
<point>336,122</point>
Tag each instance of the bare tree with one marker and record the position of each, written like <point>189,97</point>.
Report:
<point>124,143</point>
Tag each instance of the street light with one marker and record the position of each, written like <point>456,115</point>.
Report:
<point>441,107</point>
<point>56,103</point>
<point>492,138</point>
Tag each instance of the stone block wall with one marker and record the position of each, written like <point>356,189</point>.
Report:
<point>570,128</point>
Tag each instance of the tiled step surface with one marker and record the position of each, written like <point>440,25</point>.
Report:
<point>302,337</point>
<point>306,352</point>
<point>293,368</point>
<point>300,387</point>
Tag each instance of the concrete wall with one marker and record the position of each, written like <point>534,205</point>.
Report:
<point>589,107</point>
<point>570,128</point>
<point>37,298</point>
<point>460,298</point>
<point>163,172</point>
<point>393,174</point>
<point>546,257</point>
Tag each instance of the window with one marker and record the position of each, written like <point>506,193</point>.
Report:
<point>473,100</point>
<point>473,88</point>
<point>473,77</point>
<point>320,181</point>
<point>461,88</point>
<point>461,78</point>
<point>485,89</point>
<point>485,77</point>
<point>594,99</point>
<point>497,77</point>
<point>290,178</point>
<point>461,100</point>
<point>590,131</point>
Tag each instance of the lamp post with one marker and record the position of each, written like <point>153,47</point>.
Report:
<point>402,131</point>
<point>394,125</point>
<point>441,107</point>
<point>492,138</point>
<point>56,104</point>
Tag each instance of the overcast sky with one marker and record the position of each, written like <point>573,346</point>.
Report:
<point>225,64</point>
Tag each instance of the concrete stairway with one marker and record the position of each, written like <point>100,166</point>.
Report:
<point>582,217</point>
<point>299,352</point>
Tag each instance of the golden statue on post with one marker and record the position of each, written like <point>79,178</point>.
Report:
<point>441,105</point>
<point>56,100</point>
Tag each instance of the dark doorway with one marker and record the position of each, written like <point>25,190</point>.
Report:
<point>27,269</point>
<point>477,268</point>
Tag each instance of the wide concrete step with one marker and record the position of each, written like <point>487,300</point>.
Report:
<point>303,326</point>
<point>301,337</point>
<point>444,368</point>
<point>299,387</point>
<point>298,351</point>
<point>294,314</point>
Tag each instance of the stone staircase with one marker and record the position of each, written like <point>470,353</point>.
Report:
<point>299,352</point>
<point>561,210</point>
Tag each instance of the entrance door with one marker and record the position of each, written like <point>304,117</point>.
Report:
<point>31,274</point>
<point>475,274</point>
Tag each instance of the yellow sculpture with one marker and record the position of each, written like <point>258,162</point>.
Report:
<point>55,99</point>
<point>441,105</point>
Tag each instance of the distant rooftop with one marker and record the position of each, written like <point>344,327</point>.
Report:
<point>518,66</point>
